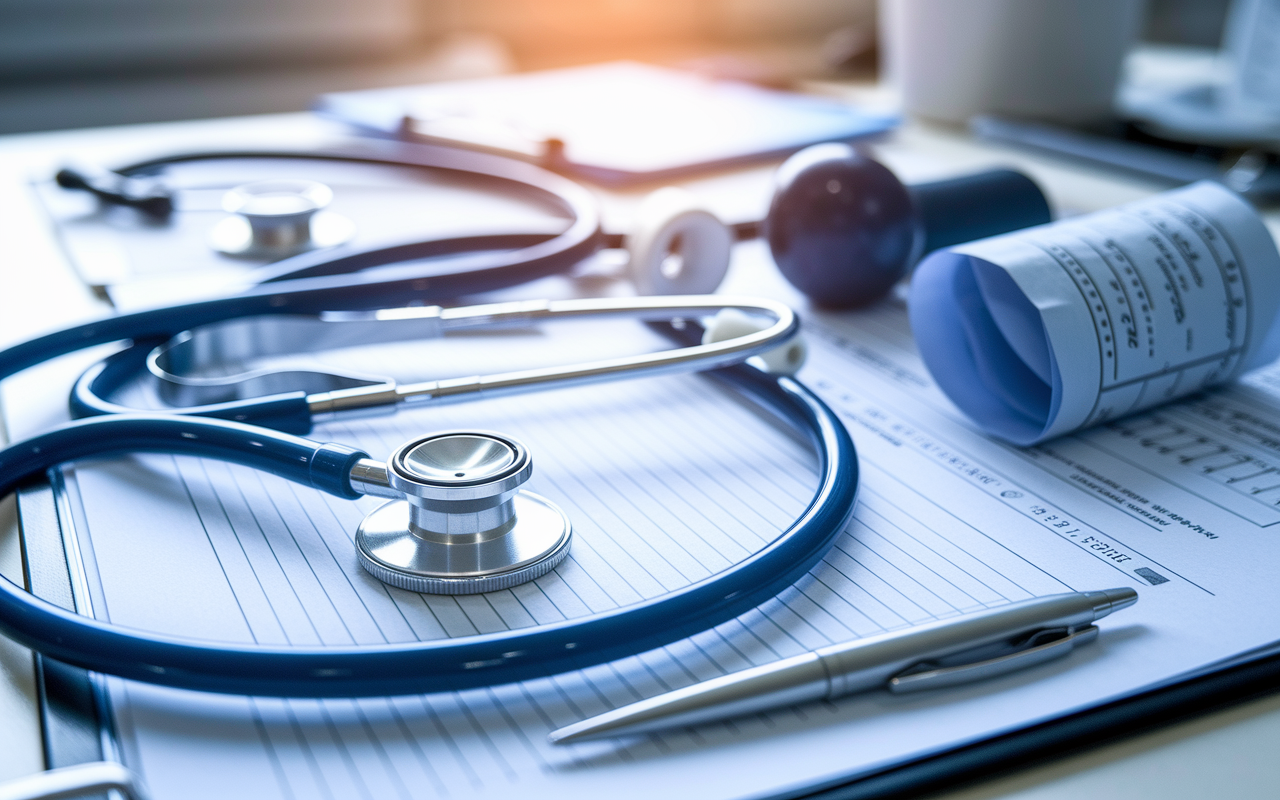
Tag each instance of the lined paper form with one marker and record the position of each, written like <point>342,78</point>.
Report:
<point>667,481</point>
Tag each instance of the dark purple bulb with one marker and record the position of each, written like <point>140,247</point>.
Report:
<point>841,226</point>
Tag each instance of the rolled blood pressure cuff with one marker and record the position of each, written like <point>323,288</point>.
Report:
<point>1051,329</point>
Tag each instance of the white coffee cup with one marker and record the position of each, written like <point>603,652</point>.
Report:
<point>1056,60</point>
<point>1253,52</point>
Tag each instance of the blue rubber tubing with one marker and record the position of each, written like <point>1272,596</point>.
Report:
<point>430,666</point>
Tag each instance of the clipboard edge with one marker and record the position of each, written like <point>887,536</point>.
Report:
<point>1062,737</point>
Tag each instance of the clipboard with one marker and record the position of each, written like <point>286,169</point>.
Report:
<point>615,124</point>
<point>76,715</point>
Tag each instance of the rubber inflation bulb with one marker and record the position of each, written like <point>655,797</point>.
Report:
<point>730,323</point>
<point>841,227</point>
<point>677,247</point>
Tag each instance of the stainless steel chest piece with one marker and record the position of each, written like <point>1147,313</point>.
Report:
<point>278,218</point>
<point>463,525</point>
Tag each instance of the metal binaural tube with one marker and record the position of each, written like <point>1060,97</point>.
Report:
<point>325,406</point>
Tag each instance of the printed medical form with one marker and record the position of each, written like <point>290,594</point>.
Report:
<point>669,480</point>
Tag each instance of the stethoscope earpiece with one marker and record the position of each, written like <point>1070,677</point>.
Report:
<point>730,323</point>
<point>676,246</point>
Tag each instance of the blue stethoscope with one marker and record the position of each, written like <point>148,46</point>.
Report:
<point>457,520</point>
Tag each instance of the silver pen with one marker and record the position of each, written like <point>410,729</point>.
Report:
<point>937,654</point>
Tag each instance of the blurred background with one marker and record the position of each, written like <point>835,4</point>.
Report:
<point>77,63</point>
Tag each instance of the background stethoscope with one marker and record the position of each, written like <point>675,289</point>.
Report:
<point>841,227</point>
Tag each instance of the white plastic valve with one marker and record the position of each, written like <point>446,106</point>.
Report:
<point>785,359</point>
<point>677,247</point>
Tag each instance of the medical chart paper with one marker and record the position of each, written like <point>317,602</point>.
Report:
<point>1043,331</point>
<point>668,480</point>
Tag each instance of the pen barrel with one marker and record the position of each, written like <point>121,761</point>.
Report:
<point>791,681</point>
<point>865,664</point>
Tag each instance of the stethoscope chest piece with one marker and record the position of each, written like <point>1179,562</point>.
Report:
<point>464,525</point>
<point>278,218</point>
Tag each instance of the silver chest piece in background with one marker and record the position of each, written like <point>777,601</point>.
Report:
<point>278,218</point>
<point>460,524</point>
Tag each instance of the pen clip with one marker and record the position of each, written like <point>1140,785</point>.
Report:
<point>1043,646</point>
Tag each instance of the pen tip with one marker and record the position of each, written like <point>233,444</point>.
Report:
<point>1110,600</point>
<point>569,734</point>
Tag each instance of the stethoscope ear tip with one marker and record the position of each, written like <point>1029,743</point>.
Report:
<point>676,246</point>
<point>784,360</point>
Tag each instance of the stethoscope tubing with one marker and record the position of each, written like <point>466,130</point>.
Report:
<point>399,668</point>
<point>302,296</point>
<point>437,665</point>
<point>324,466</point>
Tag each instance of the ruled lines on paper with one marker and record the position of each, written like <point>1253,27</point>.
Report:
<point>667,481</point>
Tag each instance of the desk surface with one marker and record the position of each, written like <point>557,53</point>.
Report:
<point>1225,755</point>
